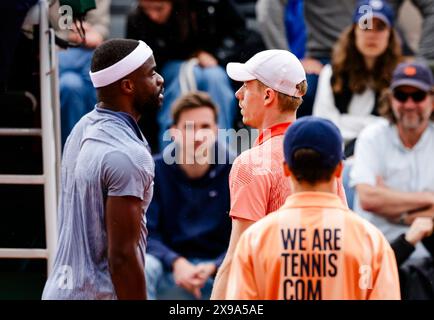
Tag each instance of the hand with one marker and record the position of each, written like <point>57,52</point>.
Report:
<point>186,276</point>
<point>206,59</point>
<point>206,270</point>
<point>92,38</point>
<point>421,227</point>
<point>312,66</point>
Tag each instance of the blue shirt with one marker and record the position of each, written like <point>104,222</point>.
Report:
<point>189,217</point>
<point>103,156</point>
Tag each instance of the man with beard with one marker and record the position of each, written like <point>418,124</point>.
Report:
<point>107,181</point>
<point>391,171</point>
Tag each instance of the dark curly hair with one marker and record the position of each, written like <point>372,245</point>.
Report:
<point>110,52</point>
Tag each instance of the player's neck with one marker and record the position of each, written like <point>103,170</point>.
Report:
<point>274,118</point>
<point>329,186</point>
<point>118,106</point>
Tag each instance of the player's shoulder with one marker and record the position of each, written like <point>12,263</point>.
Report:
<point>246,156</point>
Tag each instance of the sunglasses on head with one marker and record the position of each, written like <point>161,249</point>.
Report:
<point>416,96</point>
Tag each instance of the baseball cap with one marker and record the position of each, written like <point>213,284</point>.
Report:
<point>414,74</point>
<point>278,69</point>
<point>379,9</point>
<point>318,134</point>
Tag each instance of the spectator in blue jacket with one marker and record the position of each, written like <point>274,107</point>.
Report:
<point>188,220</point>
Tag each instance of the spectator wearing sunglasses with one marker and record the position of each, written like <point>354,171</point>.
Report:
<point>392,170</point>
<point>361,68</point>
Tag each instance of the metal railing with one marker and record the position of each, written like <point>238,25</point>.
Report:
<point>49,132</point>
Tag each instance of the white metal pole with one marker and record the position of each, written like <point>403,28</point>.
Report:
<point>55,89</point>
<point>48,138</point>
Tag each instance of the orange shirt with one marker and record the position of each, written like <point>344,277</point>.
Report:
<point>257,182</point>
<point>313,248</point>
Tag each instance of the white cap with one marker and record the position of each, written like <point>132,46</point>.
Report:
<point>278,69</point>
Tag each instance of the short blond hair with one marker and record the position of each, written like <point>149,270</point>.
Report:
<point>289,103</point>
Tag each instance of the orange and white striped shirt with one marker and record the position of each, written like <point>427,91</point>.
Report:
<point>313,248</point>
<point>257,183</point>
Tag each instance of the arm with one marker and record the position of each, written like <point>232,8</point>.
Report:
<point>367,172</point>
<point>241,280</point>
<point>412,216</point>
<point>426,45</point>
<point>127,184</point>
<point>221,280</point>
<point>271,21</point>
<point>99,18</point>
<point>391,203</point>
<point>92,36</point>
<point>404,245</point>
<point>402,249</point>
<point>219,260</point>
<point>249,197</point>
<point>123,220</point>
<point>96,26</point>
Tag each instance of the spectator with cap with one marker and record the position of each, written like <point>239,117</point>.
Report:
<point>361,69</point>
<point>274,83</point>
<point>393,181</point>
<point>325,21</point>
<point>188,224</point>
<point>313,247</point>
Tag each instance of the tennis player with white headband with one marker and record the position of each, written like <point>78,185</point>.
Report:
<point>107,181</point>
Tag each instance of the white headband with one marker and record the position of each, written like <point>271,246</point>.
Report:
<point>121,68</point>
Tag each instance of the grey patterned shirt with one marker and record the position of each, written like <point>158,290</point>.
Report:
<point>105,155</point>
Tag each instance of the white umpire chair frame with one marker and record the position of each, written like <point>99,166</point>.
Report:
<point>50,135</point>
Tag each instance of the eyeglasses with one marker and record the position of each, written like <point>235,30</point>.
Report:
<point>416,96</point>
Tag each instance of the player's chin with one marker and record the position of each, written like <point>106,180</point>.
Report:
<point>246,121</point>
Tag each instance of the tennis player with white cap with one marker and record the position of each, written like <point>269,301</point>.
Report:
<point>274,83</point>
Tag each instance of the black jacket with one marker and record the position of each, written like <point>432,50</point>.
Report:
<point>215,26</point>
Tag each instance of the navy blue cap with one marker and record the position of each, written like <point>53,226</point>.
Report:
<point>414,74</point>
<point>376,9</point>
<point>318,134</point>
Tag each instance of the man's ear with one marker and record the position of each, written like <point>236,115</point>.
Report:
<point>339,169</point>
<point>127,86</point>
<point>286,170</point>
<point>269,96</point>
